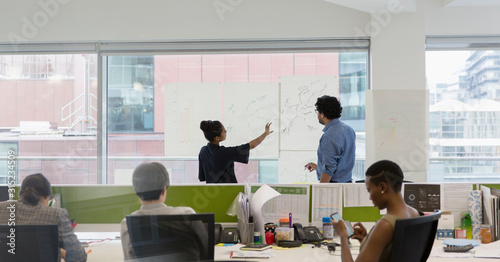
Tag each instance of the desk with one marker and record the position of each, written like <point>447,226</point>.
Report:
<point>111,251</point>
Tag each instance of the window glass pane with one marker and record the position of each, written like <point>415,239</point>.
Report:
<point>131,94</point>
<point>48,111</point>
<point>136,103</point>
<point>464,105</point>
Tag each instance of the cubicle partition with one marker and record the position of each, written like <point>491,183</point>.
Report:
<point>101,204</point>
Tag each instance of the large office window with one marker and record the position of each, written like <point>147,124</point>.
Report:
<point>127,150</point>
<point>464,108</point>
<point>53,101</point>
<point>48,117</point>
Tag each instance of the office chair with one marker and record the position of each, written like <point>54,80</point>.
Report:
<point>414,237</point>
<point>34,243</point>
<point>188,237</point>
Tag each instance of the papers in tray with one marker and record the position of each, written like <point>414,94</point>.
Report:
<point>491,250</point>
<point>251,254</point>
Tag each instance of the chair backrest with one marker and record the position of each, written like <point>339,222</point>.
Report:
<point>37,243</point>
<point>414,237</point>
<point>188,237</point>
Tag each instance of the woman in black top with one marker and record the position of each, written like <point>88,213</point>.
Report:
<point>216,163</point>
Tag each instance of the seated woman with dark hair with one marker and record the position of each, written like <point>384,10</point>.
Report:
<point>383,182</point>
<point>32,208</point>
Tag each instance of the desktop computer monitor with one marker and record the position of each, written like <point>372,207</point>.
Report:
<point>188,237</point>
<point>4,193</point>
<point>37,243</point>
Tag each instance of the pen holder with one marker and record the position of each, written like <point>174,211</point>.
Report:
<point>246,232</point>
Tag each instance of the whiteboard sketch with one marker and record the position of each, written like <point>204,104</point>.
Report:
<point>291,167</point>
<point>299,126</point>
<point>247,108</point>
<point>394,128</point>
<point>397,128</point>
<point>186,105</point>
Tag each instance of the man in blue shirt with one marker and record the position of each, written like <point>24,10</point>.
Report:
<point>337,146</point>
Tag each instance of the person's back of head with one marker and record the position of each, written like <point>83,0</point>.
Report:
<point>33,188</point>
<point>211,129</point>
<point>149,179</point>
<point>386,171</point>
<point>329,106</point>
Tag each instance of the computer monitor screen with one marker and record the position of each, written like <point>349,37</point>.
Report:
<point>29,243</point>
<point>188,237</point>
<point>4,193</point>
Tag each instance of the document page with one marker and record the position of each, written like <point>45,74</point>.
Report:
<point>326,199</point>
<point>293,199</point>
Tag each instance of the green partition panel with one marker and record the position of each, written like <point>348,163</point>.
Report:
<point>110,204</point>
<point>361,214</point>
<point>497,186</point>
<point>206,198</point>
<point>97,204</point>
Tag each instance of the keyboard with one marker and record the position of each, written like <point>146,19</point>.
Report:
<point>458,248</point>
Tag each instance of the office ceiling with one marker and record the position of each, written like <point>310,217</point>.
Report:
<point>375,6</point>
<point>471,3</point>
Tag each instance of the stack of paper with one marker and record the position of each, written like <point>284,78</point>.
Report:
<point>251,254</point>
<point>491,209</point>
<point>495,205</point>
<point>491,250</point>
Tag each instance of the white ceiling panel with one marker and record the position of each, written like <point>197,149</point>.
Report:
<point>376,6</point>
<point>451,3</point>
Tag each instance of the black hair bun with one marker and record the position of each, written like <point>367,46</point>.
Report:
<point>205,125</point>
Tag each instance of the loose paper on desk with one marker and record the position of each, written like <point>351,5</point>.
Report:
<point>240,208</point>
<point>293,199</point>
<point>263,194</point>
<point>491,250</point>
<point>251,254</point>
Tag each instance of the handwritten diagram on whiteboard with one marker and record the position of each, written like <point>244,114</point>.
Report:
<point>396,128</point>
<point>291,167</point>
<point>247,108</point>
<point>186,105</point>
<point>300,129</point>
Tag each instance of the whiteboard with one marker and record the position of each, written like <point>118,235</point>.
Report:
<point>299,125</point>
<point>186,105</point>
<point>291,167</point>
<point>246,110</point>
<point>397,128</point>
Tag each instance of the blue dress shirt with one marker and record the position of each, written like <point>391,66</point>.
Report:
<point>337,151</point>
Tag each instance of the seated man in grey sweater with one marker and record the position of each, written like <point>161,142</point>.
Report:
<point>150,181</point>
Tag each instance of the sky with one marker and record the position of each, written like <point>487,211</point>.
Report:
<point>440,65</point>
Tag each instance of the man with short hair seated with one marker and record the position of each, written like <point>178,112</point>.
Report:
<point>150,181</point>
